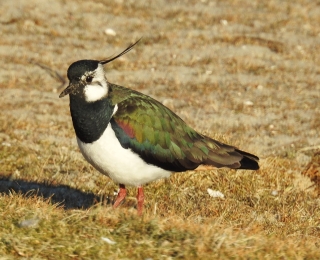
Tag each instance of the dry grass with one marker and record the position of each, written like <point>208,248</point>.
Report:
<point>181,219</point>
<point>205,60</point>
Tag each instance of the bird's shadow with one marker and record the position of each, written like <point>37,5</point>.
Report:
<point>63,195</point>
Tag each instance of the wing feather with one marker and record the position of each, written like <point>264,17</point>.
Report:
<point>162,138</point>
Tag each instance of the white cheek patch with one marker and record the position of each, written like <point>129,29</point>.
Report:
<point>98,89</point>
<point>95,92</point>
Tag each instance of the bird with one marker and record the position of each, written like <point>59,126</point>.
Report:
<point>134,139</point>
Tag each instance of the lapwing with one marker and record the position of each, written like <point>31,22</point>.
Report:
<point>133,138</point>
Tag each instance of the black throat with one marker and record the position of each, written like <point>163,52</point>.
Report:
<point>90,120</point>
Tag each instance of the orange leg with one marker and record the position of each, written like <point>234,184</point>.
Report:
<point>140,198</point>
<point>121,196</point>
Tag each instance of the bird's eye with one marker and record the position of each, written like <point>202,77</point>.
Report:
<point>89,79</point>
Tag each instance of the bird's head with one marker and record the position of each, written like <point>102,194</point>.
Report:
<point>87,78</point>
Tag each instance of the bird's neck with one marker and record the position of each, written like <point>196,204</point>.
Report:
<point>90,119</point>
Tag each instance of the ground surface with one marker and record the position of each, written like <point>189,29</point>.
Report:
<point>244,72</point>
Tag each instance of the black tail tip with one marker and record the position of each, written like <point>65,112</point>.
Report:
<point>249,163</point>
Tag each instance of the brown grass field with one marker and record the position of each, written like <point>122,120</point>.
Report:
<point>246,72</point>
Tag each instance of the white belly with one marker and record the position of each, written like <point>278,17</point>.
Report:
<point>121,165</point>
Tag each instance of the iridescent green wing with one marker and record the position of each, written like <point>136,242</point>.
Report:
<point>162,138</point>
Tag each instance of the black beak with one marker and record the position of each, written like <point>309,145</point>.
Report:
<point>70,89</point>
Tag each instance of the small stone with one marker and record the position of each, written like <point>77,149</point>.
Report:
<point>248,103</point>
<point>274,193</point>
<point>224,22</point>
<point>29,223</point>
<point>110,32</point>
<point>215,193</point>
<point>109,241</point>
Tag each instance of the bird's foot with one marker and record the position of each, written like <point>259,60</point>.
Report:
<point>121,196</point>
<point>140,199</point>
